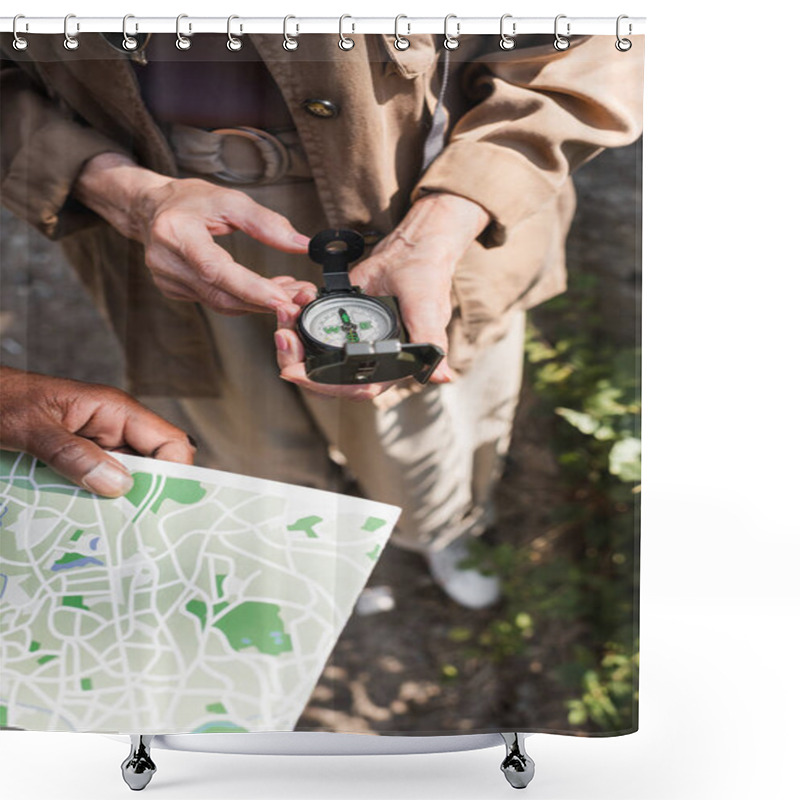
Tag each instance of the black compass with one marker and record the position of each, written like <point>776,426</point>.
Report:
<point>350,337</point>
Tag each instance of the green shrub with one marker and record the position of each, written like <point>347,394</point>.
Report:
<point>582,587</point>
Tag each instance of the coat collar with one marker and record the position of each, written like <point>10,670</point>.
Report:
<point>84,81</point>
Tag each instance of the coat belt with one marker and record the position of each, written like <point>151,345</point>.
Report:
<point>239,155</point>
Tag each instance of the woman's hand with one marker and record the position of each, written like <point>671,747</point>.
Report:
<point>415,263</point>
<point>70,425</point>
<point>176,218</point>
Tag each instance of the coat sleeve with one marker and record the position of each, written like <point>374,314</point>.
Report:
<point>543,114</point>
<point>43,149</point>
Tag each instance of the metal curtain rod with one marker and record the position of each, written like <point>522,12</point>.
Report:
<point>299,25</point>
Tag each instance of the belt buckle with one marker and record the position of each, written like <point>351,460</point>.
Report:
<point>272,150</point>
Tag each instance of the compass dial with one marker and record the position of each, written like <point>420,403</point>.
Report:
<point>335,321</point>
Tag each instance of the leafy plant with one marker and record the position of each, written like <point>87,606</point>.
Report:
<point>581,585</point>
<point>609,693</point>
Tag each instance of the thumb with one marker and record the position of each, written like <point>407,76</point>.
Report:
<point>426,319</point>
<point>81,461</point>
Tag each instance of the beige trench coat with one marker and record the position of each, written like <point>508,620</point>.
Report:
<point>520,122</point>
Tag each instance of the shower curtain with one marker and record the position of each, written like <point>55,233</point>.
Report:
<point>455,552</point>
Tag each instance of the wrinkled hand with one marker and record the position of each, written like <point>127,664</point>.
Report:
<point>176,220</point>
<point>70,425</point>
<point>415,263</point>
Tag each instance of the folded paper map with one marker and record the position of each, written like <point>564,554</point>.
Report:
<point>202,601</point>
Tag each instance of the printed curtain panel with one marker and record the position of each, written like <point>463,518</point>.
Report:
<point>320,385</point>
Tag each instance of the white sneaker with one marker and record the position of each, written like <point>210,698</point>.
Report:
<point>468,587</point>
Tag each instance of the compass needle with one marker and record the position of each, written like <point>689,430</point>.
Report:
<point>351,330</point>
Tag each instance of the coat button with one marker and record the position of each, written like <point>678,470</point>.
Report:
<point>321,108</point>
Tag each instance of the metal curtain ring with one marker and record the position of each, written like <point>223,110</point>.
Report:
<point>19,42</point>
<point>128,42</point>
<point>234,43</point>
<point>451,42</point>
<point>507,41</point>
<point>560,42</point>
<point>623,45</point>
<point>400,42</point>
<point>182,42</point>
<point>344,42</point>
<point>289,42</point>
<point>70,42</point>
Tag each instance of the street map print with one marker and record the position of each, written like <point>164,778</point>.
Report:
<point>202,601</point>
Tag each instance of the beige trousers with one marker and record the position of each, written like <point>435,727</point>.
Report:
<point>436,453</point>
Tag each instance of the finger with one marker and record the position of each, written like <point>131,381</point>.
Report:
<point>426,316</point>
<point>424,304</point>
<point>443,373</point>
<point>176,279</point>
<point>216,272</point>
<point>371,276</point>
<point>283,280</point>
<point>301,292</point>
<point>177,451</point>
<point>81,461</point>
<point>223,303</point>
<point>151,435</point>
<point>304,295</point>
<point>265,225</point>
<point>175,290</point>
<point>120,422</point>
<point>290,351</point>
<point>296,374</point>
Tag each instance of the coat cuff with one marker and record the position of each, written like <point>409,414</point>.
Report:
<point>489,174</point>
<point>39,181</point>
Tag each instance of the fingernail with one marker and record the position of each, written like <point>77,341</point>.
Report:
<point>107,479</point>
<point>300,239</point>
<point>281,342</point>
<point>444,374</point>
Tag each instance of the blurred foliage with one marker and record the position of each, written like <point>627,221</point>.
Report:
<point>577,577</point>
<point>608,693</point>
